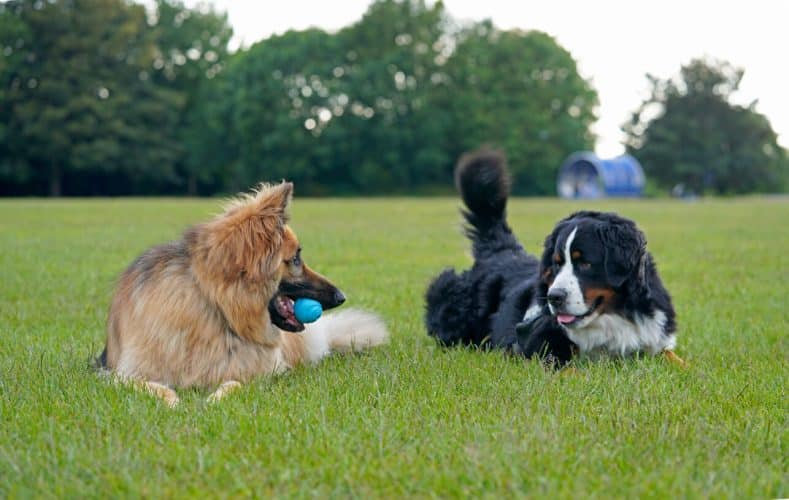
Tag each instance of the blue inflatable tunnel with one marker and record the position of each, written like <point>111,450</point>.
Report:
<point>585,175</point>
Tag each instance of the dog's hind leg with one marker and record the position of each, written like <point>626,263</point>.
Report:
<point>451,315</point>
<point>223,390</point>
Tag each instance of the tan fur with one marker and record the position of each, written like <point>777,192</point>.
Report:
<point>547,277</point>
<point>674,359</point>
<point>194,313</point>
<point>223,390</point>
<point>608,294</point>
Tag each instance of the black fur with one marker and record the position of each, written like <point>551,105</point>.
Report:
<point>482,305</point>
<point>101,360</point>
<point>485,305</point>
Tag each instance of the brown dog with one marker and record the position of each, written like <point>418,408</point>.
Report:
<point>215,308</point>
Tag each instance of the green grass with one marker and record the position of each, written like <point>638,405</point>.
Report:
<point>409,419</point>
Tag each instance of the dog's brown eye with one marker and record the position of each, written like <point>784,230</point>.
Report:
<point>296,261</point>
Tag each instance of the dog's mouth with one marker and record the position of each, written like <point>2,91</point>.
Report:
<point>570,320</point>
<point>280,309</point>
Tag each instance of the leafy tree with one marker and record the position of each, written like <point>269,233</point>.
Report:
<point>350,112</point>
<point>102,96</point>
<point>689,133</point>
<point>519,91</point>
<point>394,58</point>
<point>14,33</point>
<point>96,93</point>
<point>74,98</point>
<point>388,103</point>
<point>191,48</point>
<point>283,91</point>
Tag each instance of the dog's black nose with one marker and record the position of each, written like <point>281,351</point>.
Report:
<point>557,297</point>
<point>339,297</point>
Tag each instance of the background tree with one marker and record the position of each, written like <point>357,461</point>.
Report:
<point>106,97</point>
<point>393,69</point>
<point>336,113</point>
<point>389,103</point>
<point>14,33</point>
<point>75,104</point>
<point>281,94</point>
<point>688,132</point>
<point>95,93</point>
<point>519,91</point>
<point>191,48</point>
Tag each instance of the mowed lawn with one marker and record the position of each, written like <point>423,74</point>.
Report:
<point>409,419</point>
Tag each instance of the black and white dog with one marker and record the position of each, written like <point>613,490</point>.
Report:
<point>594,290</point>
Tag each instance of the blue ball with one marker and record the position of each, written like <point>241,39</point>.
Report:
<point>307,310</point>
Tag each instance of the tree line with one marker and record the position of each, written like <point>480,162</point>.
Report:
<point>106,97</point>
<point>688,134</point>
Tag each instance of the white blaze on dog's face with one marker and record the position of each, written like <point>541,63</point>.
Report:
<point>567,283</point>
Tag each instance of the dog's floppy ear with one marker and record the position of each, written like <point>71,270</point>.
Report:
<point>546,276</point>
<point>546,267</point>
<point>625,250</point>
<point>245,240</point>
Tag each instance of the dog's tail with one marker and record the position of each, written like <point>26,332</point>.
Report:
<point>344,331</point>
<point>483,180</point>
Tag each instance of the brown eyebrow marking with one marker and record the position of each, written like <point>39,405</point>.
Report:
<point>547,277</point>
<point>557,258</point>
<point>576,254</point>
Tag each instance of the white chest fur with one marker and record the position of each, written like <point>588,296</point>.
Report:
<point>619,336</point>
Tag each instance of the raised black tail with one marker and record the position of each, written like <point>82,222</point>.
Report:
<point>483,179</point>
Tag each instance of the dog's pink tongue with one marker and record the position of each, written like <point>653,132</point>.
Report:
<point>565,318</point>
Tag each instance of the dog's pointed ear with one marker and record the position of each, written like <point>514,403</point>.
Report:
<point>625,248</point>
<point>266,201</point>
<point>278,197</point>
<point>245,240</point>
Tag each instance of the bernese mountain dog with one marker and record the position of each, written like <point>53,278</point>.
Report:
<point>595,290</point>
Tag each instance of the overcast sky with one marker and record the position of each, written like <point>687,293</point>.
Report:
<point>615,42</point>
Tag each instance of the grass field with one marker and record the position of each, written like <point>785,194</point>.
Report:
<point>409,419</point>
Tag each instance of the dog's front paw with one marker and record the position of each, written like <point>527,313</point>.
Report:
<point>166,394</point>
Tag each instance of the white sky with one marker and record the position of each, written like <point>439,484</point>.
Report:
<point>615,42</point>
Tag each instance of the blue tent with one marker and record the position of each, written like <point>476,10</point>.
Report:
<point>585,175</point>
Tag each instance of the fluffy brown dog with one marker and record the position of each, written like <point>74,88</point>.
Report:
<point>215,308</point>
